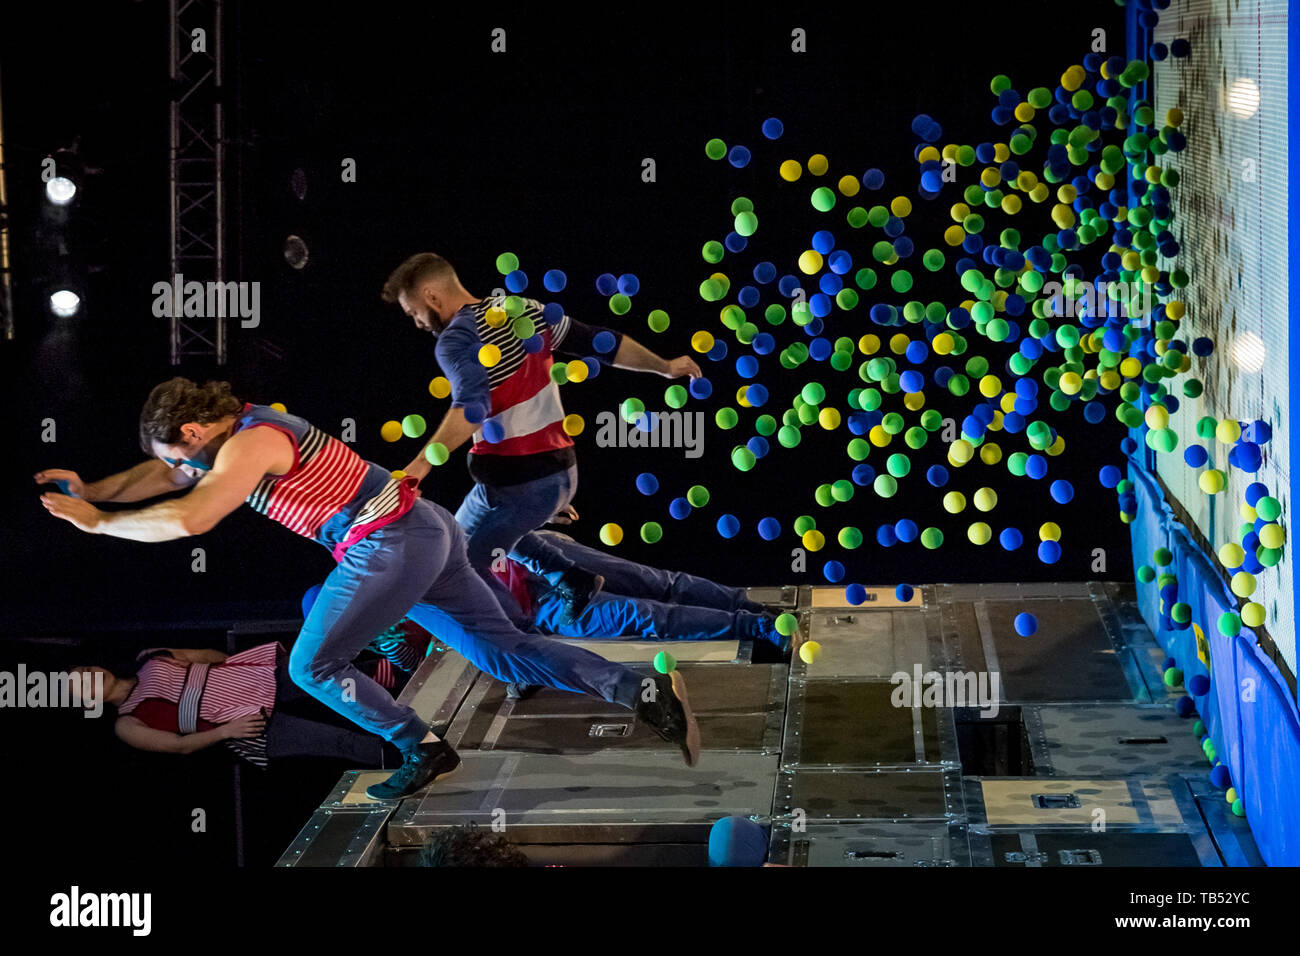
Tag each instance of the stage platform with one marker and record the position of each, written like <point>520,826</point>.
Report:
<point>1073,756</point>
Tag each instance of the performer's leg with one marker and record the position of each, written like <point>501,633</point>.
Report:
<point>505,517</point>
<point>611,615</point>
<point>288,735</point>
<point>376,583</point>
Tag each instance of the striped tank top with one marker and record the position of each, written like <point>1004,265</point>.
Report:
<point>331,495</point>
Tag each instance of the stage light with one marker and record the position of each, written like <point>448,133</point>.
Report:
<point>1243,97</point>
<point>295,252</point>
<point>65,303</point>
<point>60,190</point>
<point>1248,352</point>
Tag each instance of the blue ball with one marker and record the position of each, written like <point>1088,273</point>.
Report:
<point>735,242</point>
<point>1036,466</point>
<point>863,474</point>
<point>555,280</point>
<point>1199,685</point>
<point>873,178</point>
<point>756,395</point>
<point>1195,455</point>
<point>906,530</point>
<point>747,366</point>
<point>1062,491</point>
<point>629,284</point>
<point>517,281</point>
<point>738,157</point>
<point>1093,412</point>
<point>533,344</point>
<point>679,508</point>
<point>647,483</point>
<point>1026,624</point>
<point>1011,538</point>
<point>701,387</point>
<point>764,273</point>
<point>937,475</point>
<point>769,528</point>
<point>1220,777</point>
<point>833,572</point>
<point>763,343</point>
<point>718,352</point>
<point>606,284</point>
<point>474,412</point>
<point>773,128</point>
<point>932,180</point>
<point>593,367</point>
<point>737,841</point>
<point>823,241</point>
<point>604,342</point>
<point>904,592</point>
<point>855,594</point>
<point>912,382</point>
<point>1184,706</point>
<point>1254,491</point>
<point>552,312</point>
<point>493,431</point>
<point>885,536</point>
<point>1049,552</point>
<point>758,445</point>
<point>1110,476</point>
<point>309,598</point>
<point>728,525</point>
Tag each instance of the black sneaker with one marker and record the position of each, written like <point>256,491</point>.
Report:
<point>419,766</point>
<point>669,715</point>
<point>576,589</point>
<point>516,691</point>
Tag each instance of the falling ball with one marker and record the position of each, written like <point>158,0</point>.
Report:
<point>769,528</point>
<point>436,453</point>
<point>413,426</point>
<point>809,651</point>
<point>611,534</point>
<point>651,532</point>
<point>573,424</point>
<point>391,431</point>
<point>833,571</point>
<point>904,592</point>
<point>728,526</point>
<point>698,496</point>
<point>1062,491</point>
<point>440,387</point>
<point>786,624</point>
<point>279,407</point>
<point>855,594</point>
<point>1174,677</point>
<point>1026,624</point>
<point>665,663</point>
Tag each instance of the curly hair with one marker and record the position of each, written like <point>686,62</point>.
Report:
<point>178,401</point>
<point>469,846</point>
<point>423,265</point>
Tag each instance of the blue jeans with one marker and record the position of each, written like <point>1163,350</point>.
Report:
<point>417,567</point>
<point>638,580</point>
<point>613,615</point>
<point>506,517</point>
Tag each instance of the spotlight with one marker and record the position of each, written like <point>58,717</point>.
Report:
<point>64,303</point>
<point>1243,97</point>
<point>1248,352</point>
<point>60,190</point>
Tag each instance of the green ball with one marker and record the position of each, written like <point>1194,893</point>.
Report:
<point>1181,613</point>
<point>1163,557</point>
<point>698,496</point>
<point>1198,728</point>
<point>898,465</point>
<point>850,538</point>
<point>507,262</point>
<point>823,199</point>
<point>765,425</point>
<point>559,373</point>
<point>715,149</point>
<point>726,417</point>
<point>632,409</point>
<point>859,449</point>
<point>742,458</point>
<point>1238,808</point>
<point>1268,508</point>
<point>413,426</point>
<point>813,394</point>
<point>1230,623</point>
<point>786,624</point>
<point>651,532</point>
<point>842,490</point>
<point>657,320</point>
<point>436,454</point>
<point>803,524</point>
<point>1174,677</point>
<point>713,252</point>
<point>746,224</point>
<point>665,662</point>
<point>932,538</point>
<point>619,304</point>
<point>788,436</point>
<point>885,485</point>
<point>823,496</point>
<point>522,327</point>
<point>675,396</point>
<point>1146,574</point>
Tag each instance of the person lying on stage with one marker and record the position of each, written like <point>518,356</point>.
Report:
<point>183,700</point>
<point>397,553</point>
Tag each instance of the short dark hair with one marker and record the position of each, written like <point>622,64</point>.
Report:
<point>178,401</point>
<point>421,266</point>
<point>469,846</point>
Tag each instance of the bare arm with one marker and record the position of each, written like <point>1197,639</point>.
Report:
<point>633,355</point>
<point>240,464</point>
<point>190,655</point>
<point>138,734</point>
<point>149,479</point>
<point>453,431</point>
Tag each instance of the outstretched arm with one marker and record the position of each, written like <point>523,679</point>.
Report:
<point>240,464</point>
<point>633,355</point>
<point>149,479</point>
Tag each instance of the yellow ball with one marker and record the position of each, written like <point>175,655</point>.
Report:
<point>1232,555</point>
<point>1243,584</point>
<point>870,344</point>
<point>991,386</point>
<point>279,407</point>
<point>702,341</point>
<point>573,424</point>
<point>943,343</point>
<point>440,387</point>
<point>961,451</point>
<point>900,206</point>
<point>1071,384</point>
<point>495,317</point>
<point>813,540</point>
<point>1228,431</point>
<point>849,185</point>
<point>1211,481</point>
<point>818,164</point>
<point>1272,536</point>
<point>809,651</point>
<point>741,398</point>
<point>810,261</point>
<point>611,534</point>
<point>1230,795</point>
<point>399,474</point>
<point>986,499</point>
<point>1252,614</point>
<point>979,533</point>
<point>954,502</point>
<point>791,170</point>
<point>1050,531</point>
<point>829,418</point>
<point>576,370</point>
<point>489,355</point>
<point>991,453</point>
<point>391,431</point>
